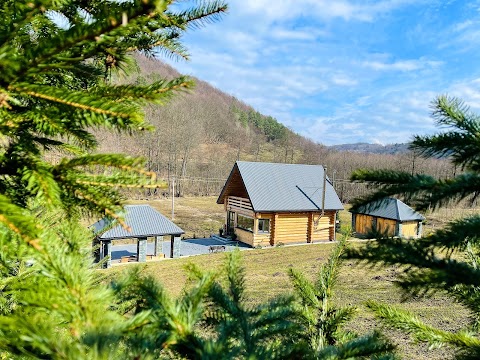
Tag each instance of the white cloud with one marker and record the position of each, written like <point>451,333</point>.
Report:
<point>280,33</point>
<point>468,91</point>
<point>283,10</point>
<point>401,65</point>
<point>343,80</point>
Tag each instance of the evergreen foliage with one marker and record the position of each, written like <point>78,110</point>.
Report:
<point>267,125</point>
<point>446,261</point>
<point>56,58</point>
<point>322,323</point>
<point>263,331</point>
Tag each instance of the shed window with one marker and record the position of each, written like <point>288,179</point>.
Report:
<point>263,225</point>
<point>245,222</point>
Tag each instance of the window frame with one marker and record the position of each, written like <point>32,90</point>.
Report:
<point>246,217</point>
<point>263,221</point>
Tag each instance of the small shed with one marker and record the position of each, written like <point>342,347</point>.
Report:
<point>389,216</point>
<point>271,203</point>
<point>143,222</point>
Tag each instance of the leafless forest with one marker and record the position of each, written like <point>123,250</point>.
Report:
<point>199,135</point>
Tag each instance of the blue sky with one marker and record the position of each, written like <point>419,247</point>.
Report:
<point>343,71</point>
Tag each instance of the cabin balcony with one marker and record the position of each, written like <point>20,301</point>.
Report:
<point>239,205</point>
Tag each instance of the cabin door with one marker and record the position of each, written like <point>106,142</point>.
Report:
<point>230,223</point>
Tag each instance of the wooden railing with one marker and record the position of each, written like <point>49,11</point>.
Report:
<point>238,203</point>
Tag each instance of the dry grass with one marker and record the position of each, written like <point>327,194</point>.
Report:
<point>198,216</point>
<point>440,217</point>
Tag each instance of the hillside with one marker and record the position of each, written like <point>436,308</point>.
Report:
<point>199,135</point>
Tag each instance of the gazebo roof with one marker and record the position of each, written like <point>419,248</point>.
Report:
<point>143,220</point>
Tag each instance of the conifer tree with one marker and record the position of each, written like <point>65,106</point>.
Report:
<point>267,330</point>
<point>322,323</point>
<point>55,61</point>
<point>55,57</point>
<point>448,259</point>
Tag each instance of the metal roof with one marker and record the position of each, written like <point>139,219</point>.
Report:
<point>275,187</point>
<point>143,220</point>
<point>390,208</point>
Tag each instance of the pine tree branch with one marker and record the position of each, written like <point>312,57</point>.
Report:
<point>422,191</point>
<point>409,323</point>
<point>374,345</point>
<point>459,144</point>
<point>108,19</point>
<point>203,14</point>
<point>424,265</point>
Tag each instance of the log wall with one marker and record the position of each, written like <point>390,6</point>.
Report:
<point>290,228</point>
<point>363,223</point>
<point>245,236</point>
<point>387,226</point>
<point>409,229</point>
<point>323,226</point>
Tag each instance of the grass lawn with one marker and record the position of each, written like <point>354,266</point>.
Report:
<point>267,277</point>
<point>266,271</point>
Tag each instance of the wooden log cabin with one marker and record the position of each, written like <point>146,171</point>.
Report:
<point>389,216</point>
<point>269,204</point>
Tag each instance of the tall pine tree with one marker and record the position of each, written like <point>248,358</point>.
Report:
<point>55,59</point>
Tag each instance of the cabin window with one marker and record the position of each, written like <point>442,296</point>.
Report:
<point>245,222</point>
<point>263,225</point>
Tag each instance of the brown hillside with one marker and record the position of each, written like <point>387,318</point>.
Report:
<point>202,133</point>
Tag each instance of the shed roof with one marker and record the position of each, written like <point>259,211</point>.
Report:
<point>273,187</point>
<point>390,208</point>
<point>143,220</point>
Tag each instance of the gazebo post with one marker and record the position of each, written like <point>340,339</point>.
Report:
<point>100,252</point>
<point>175,246</point>
<point>107,251</point>
<point>158,241</point>
<point>142,249</point>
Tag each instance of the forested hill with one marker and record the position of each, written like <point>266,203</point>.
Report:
<point>199,135</point>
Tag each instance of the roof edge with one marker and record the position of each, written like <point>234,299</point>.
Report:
<point>222,193</point>
<point>246,189</point>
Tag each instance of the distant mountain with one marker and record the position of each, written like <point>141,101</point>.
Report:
<point>366,148</point>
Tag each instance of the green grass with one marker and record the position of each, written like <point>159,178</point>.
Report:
<point>266,272</point>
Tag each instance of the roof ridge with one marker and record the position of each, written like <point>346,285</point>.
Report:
<point>396,208</point>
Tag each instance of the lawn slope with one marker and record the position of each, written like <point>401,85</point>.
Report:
<point>266,277</point>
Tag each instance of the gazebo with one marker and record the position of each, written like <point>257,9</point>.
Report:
<point>144,222</point>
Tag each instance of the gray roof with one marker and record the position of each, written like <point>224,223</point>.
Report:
<point>143,220</point>
<point>275,187</point>
<point>390,208</point>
